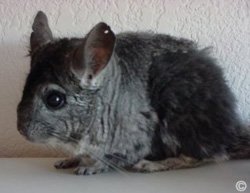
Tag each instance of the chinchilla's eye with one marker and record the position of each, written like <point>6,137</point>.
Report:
<point>55,100</point>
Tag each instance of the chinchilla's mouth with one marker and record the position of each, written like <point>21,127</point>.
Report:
<point>27,137</point>
<point>36,133</point>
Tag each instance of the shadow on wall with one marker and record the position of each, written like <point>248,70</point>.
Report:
<point>14,65</point>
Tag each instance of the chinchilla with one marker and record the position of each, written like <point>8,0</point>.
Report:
<point>132,101</point>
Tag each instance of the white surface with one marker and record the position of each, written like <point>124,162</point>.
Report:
<point>37,175</point>
<point>223,24</point>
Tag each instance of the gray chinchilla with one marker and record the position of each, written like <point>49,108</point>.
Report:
<point>132,101</point>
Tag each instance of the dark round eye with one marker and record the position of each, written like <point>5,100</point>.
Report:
<point>55,99</point>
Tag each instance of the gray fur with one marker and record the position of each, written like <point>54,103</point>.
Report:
<point>113,115</point>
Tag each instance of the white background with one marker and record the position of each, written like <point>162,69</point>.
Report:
<point>223,24</point>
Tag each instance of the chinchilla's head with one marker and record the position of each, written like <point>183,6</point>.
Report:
<point>59,95</point>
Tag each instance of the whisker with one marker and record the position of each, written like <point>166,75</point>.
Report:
<point>119,158</point>
<point>62,138</point>
<point>53,149</point>
<point>108,163</point>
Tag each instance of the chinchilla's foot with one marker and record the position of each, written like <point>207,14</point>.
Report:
<point>67,163</point>
<point>181,162</point>
<point>97,168</point>
<point>74,162</point>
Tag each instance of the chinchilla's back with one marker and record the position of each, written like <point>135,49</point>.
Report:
<point>187,90</point>
<point>137,50</point>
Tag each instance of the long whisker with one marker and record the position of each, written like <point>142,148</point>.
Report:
<point>61,137</point>
<point>119,158</point>
<point>108,163</point>
<point>53,149</point>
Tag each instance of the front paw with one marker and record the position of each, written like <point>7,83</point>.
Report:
<point>67,163</point>
<point>90,170</point>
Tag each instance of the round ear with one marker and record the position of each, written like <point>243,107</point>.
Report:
<point>41,32</point>
<point>95,52</point>
<point>99,47</point>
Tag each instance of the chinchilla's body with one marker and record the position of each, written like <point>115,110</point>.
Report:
<point>140,101</point>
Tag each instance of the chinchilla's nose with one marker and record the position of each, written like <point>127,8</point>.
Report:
<point>21,131</point>
<point>23,121</point>
<point>22,128</point>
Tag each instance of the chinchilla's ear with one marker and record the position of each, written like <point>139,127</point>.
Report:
<point>41,32</point>
<point>95,53</point>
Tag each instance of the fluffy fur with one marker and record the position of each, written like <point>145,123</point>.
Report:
<point>159,103</point>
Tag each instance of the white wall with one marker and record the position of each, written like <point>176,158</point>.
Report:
<point>223,24</point>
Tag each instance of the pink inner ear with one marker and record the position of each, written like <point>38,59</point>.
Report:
<point>99,47</point>
<point>100,58</point>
